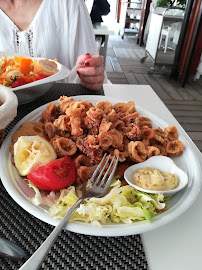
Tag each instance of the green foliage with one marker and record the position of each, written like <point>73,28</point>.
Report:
<point>170,3</point>
<point>164,3</point>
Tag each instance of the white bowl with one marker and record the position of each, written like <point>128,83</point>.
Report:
<point>7,114</point>
<point>161,163</point>
<point>29,92</point>
<point>8,110</point>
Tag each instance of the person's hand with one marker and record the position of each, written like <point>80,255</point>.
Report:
<point>90,69</point>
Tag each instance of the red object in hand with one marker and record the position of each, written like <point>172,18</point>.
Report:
<point>41,76</point>
<point>87,64</point>
<point>18,82</point>
<point>54,175</point>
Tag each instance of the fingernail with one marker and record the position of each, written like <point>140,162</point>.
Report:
<point>88,54</point>
<point>87,64</point>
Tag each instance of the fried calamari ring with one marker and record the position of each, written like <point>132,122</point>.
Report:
<point>112,116</point>
<point>51,130</point>
<point>161,148</point>
<point>174,148</point>
<point>83,174</point>
<point>171,133</point>
<point>118,125</point>
<point>82,160</point>
<point>153,151</point>
<point>105,125</point>
<point>105,106</point>
<point>75,122</point>
<point>147,133</point>
<point>123,109</point>
<point>64,103</point>
<point>105,140</point>
<point>157,140</point>
<point>93,131</point>
<point>79,142</point>
<point>130,118</point>
<point>86,105</point>
<point>145,122</point>
<point>63,123</point>
<point>137,151</point>
<point>91,125</point>
<point>95,114</point>
<point>92,141</point>
<point>50,113</point>
<point>77,112</point>
<point>133,132</point>
<point>159,132</point>
<point>76,105</point>
<point>76,109</point>
<point>117,137</point>
<point>122,155</point>
<point>63,146</point>
<point>90,146</point>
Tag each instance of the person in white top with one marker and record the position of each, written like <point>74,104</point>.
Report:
<point>52,29</point>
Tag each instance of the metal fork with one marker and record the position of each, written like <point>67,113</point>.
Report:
<point>94,188</point>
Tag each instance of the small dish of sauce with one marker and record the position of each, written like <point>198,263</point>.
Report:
<point>154,179</point>
<point>158,174</point>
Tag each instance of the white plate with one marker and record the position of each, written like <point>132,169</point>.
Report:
<point>178,204</point>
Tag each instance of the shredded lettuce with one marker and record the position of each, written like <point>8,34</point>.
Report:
<point>37,199</point>
<point>122,204</point>
<point>51,199</point>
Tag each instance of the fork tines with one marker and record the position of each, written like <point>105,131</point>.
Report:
<point>102,182</point>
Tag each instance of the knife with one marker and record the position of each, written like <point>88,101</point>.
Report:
<point>10,250</point>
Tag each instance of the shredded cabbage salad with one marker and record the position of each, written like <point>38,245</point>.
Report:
<point>122,204</point>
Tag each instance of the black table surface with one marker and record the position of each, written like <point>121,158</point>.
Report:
<point>71,250</point>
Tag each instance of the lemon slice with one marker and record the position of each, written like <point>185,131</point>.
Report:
<point>31,152</point>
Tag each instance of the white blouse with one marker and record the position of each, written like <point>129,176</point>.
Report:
<point>61,29</point>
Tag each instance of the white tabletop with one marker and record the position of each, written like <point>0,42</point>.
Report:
<point>178,245</point>
<point>103,30</point>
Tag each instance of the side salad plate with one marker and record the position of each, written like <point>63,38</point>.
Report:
<point>177,204</point>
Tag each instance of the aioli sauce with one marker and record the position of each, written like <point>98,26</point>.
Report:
<point>153,179</point>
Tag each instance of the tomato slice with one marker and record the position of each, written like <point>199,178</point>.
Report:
<point>54,175</point>
<point>41,76</point>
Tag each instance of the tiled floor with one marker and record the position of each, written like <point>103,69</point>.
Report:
<point>123,67</point>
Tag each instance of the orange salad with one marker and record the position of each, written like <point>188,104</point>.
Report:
<point>19,70</point>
